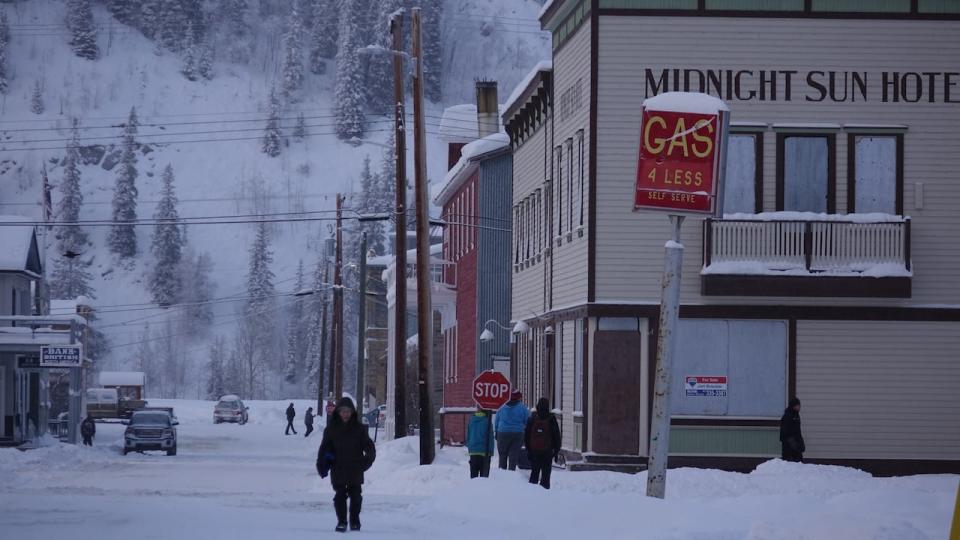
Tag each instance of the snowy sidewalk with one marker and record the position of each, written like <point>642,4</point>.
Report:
<point>252,482</point>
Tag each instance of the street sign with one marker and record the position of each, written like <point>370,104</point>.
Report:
<point>61,356</point>
<point>491,389</point>
<point>682,137</point>
<point>705,386</point>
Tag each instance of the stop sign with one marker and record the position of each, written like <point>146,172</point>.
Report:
<point>491,389</point>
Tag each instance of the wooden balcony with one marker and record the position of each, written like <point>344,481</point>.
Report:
<point>791,254</point>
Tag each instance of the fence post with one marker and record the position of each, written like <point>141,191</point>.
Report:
<point>808,244</point>
<point>906,243</point>
<point>708,242</point>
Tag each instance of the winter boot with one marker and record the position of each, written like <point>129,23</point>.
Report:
<point>355,525</point>
<point>341,526</point>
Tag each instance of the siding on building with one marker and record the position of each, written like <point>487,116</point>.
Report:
<point>882,390</point>
<point>494,270</point>
<point>571,114</point>
<point>630,245</point>
<point>530,172</point>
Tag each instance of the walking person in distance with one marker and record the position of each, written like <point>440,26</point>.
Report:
<point>291,414</point>
<point>88,429</point>
<point>791,438</point>
<point>511,422</point>
<point>308,421</point>
<point>346,453</point>
<point>542,439</point>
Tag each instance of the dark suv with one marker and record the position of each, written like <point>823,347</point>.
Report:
<point>150,430</point>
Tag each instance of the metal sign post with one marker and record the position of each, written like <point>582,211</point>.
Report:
<point>679,171</point>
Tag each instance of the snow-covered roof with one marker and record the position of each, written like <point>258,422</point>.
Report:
<point>470,155</point>
<point>230,397</point>
<point>546,7</point>
<point>694,102</point>
<point>459,123</point>
<point>17,242</point>
<point>518,91</point>
<point>121,378</point>
<point>872,217</point>
<point>68,307</point>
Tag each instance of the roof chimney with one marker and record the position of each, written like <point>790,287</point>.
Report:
<point>488,109</point>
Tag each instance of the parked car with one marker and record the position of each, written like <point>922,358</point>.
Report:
<point>230,408</point>
<point>103,403</point>
<point>151,429</point>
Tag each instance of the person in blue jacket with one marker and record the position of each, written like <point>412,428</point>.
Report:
<point>511,423</point>
<point>480,443</point>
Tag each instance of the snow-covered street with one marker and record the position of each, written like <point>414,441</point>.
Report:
<point>252,482</point>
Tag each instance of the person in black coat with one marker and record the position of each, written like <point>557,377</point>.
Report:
<point>791,438</point>
<point>346,452</point>
<point>291,414</point>
<point>87,430</point>
<point>308,421</point>
<point>542,439</point>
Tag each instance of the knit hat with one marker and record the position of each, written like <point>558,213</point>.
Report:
<point>794,402</point>
<point>517,395</point>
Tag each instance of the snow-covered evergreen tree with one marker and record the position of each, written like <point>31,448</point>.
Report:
<point>233,374</point>
<point>36,98</point>
<point>238,36</point>
<point>125,11</point>
<point>431,15</point>
<point>83,33</point>
<point>257,342</point>
<point>323,33</point>
<point>292,70</point>
<point>145,360</point>
<point>380,70</point>
<point>70,277</point>
<point>300,130</point>
<point>123,235</point>
<point>167,246</point>
<point>190,53</point>
<point>314,315</point>
<point>297,334</point>
<point>216,369</point>
<point>4,42</point>
<point>271,142</point>
<point>149,20</point>
<point>197,290</point>
<point>173,22</point>
<point>71,239</point>
<point>205,60</point>
<point>350,92</point>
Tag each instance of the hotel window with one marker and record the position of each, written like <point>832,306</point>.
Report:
<point>806,174</point>
<point>527,226</point>
<point>516,234</point>
<point>559,191</point>
<point>875,174</point>
<point>570,186</point>
<point>558,367</point>
<point>580,170</point>
<point>743,175</point>
<point>538,226</point>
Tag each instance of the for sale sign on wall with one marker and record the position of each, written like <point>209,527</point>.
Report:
<point>681,161</point>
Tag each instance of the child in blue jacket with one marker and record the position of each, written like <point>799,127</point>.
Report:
<point>480,443</point>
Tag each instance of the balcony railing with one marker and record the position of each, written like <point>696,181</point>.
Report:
<point>777,248</point>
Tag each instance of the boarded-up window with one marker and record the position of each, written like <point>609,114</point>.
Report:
<point>749,357</point>
<point>740,186</point>
<point>806,173</point>
<point>875,174</point>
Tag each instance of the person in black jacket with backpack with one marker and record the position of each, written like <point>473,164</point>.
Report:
<point>542,439</point>
<point>791,438</point>
<point>346,453</point>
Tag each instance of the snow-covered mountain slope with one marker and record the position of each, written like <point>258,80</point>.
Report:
<point>209,131</point>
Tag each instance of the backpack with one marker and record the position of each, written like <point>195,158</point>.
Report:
<point>540,435</point>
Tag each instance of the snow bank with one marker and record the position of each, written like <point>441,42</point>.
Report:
<point>873,217</point>
<point>694,102</point>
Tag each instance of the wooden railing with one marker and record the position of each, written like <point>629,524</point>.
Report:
<point>745,246</point>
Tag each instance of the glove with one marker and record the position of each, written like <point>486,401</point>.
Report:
<point>324,465</point>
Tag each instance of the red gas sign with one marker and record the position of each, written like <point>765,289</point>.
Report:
<point>491,389</point>
<point>679,164</point>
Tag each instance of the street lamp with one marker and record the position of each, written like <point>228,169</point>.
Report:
<point>487,336</point>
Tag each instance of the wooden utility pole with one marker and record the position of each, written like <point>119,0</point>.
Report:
<point>362,323</point>
<point>400,237</point>
<point>424,304</point>
<point>323,334</point>
<point>338,307</point>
